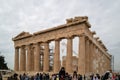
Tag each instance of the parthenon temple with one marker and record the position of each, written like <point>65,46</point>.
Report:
<point>32,53</point>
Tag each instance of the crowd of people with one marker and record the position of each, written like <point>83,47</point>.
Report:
<point>63,75</point>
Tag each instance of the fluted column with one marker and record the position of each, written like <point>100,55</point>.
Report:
<point>46,57</point>
<point>16,65</point>
<point>57,56</point>
<point>69,55</point>
<point>32,58</point>
<point>94,59</point>
<point>91,57</point>
<point>81,59</point>
<point>37,57</point>
<point>87,55</point>
<point>22,59</point>
<point>99,60</point>
<point>28,64</point>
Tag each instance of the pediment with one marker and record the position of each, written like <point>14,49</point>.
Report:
<point>22,35</point>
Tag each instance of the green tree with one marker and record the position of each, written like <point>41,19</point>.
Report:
<point>3,64</point>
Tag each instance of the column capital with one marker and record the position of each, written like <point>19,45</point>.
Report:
<point>57,39</point>
<point>87,41</point>
<point>22,46</point>
<point>69,37</point>
<point>37,43</point>
<point>91,41</point>
<point>28,46</point>
<point>93,32</point>
<point>17,47</point>
<point>87,38</point>
<point>97,38</point>
<point>47,41</point>
<point>82,35</point>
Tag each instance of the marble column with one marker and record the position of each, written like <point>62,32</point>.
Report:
<point>69,55</point>
<point>81,59</point>
<point>28,64</point>
<point>16,65</point>
<point>41,56</point>
<point>32,58</point>
<point>99,60</point>
<point>94,59</point>
<point>87,55</point>
<point>22,59</point>
<point>91,57</point>
<point>100,65</point>
<point>57,56</point>
<point>37,57</point>
<point>46,57</point>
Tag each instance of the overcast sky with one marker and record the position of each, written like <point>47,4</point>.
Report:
<point>35,15</point>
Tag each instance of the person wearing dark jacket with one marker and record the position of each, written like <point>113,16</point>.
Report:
<point>62,73</point>
<point>0,76</point>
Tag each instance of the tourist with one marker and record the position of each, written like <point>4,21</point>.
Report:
<point>32,78</point>
<point>106,76</point>
<point>9,78</point>
<point>110,74</point>
<point>44,76</point>
<point>24,77</point>
<point>37,77</point>
<point>53,76</point>
<point>113,76</point>
<point>40,76</point>
<point>57,77</point>
<point>95,77</point>
<point>75,77</point>
<point>67,76</point>
<point>84,77</point>
<point>0,76</point>
<point>62,73</point>
<point>91,76</point>
<point>98,76</point>
<point>47,76</point>
<point>15,76</point>
<point>20,77</point>
<point>79,77</point>
<point>118,76</point>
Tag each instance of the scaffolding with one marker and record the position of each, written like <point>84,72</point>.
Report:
<point>51,56</point>
<point>50,59</point>
<point>64,44</point>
